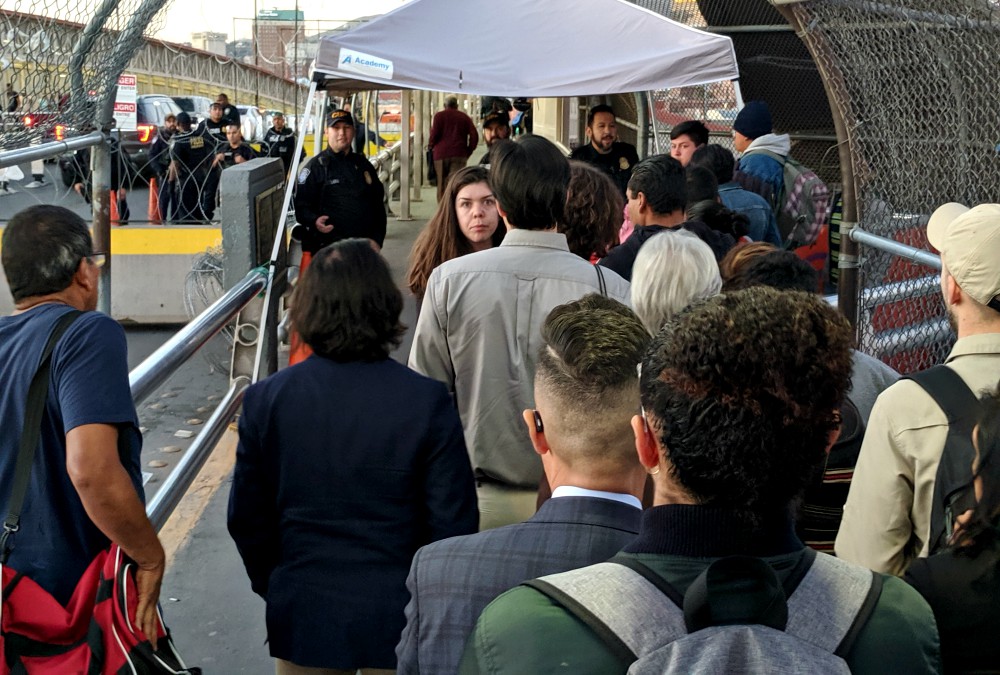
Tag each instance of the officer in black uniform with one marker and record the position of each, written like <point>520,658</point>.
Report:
<point>604,150</point>
<point>496,127</point>
<point>230,113</point>
<point>214,132</point>
<point>339,193</point>
<point>190,158</point>
<point>280,141</point>
<point>236,150</point>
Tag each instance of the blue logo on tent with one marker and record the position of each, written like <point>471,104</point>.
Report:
<point>347,60</point>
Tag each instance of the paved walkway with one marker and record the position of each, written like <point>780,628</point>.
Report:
<point>216,620</point>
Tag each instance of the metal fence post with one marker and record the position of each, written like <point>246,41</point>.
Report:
<point>404,160</point>
<point>100,172</point>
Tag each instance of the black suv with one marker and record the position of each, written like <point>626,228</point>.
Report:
<point>151,113</point>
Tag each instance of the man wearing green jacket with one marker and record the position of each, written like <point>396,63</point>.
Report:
<point>740,399</point>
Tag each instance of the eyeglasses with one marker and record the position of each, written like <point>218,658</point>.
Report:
<point>97,259</point>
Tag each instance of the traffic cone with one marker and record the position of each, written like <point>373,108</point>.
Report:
<point>113,198</point>
<point>154,202</point>
<point>299,351</point>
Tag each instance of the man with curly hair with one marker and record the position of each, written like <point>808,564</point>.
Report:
<point>739,408</point>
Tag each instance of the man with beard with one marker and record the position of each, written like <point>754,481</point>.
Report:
<point>888,516</point>
<point>604,150</point>
<point>496,127</point>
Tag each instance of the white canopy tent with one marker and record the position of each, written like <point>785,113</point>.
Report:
<point>530,48</point>
<point>533,48</point>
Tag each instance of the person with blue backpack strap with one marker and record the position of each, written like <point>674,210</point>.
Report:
<point>717,581</point>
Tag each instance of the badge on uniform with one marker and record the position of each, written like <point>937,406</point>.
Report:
<point>197,142</point>
<point>368,178</point>
<point>622,163</point>
<point>303,175</point>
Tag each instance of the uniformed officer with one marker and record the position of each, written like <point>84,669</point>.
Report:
<point>280,141</point>
<point>230,113</point>
<point>339,193</point>
<point>190,157</point>
<point>236,150</point>
<point>213,130</point>
<point>496,127</point>
<point>603,149</point>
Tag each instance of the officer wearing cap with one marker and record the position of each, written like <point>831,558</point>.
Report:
<point>190,158</point>
<point>280,141</point>
<point>888,518</point>
<point>496,127</point>
<point>604,150</point>
<point>339,194</point>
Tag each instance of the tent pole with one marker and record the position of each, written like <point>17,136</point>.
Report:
<point>418,145</point>
<point>318,124</point>
<point>404,159</point>
<point>642,121</point>
<point>739,94</point>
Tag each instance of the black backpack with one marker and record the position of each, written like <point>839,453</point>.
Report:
<point>953,494</point>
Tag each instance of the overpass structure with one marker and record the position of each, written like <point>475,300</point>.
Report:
<point>36,53</point>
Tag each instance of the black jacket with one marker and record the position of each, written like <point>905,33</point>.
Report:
<point>621,258</point>
<point>345,187</point>
<point>618,163</point>
<point>964,592</point>
<point>281,144</point>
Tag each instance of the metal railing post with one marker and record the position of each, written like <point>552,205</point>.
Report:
<point>406,138</point>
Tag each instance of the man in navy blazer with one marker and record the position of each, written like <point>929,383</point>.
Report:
<point>586,392</point>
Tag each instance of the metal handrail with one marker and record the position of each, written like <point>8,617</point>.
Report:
<point>917,255</point>
<point>161,364</point>
<point>162,505</point>
<point>46,150</point>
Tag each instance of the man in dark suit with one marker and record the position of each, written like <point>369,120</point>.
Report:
<point>586,392</point>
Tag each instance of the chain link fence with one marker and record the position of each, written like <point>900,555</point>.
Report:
<point>913,83</point>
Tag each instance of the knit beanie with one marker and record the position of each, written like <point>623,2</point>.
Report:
<point>754,120</point>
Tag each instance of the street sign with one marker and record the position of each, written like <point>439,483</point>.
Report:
<point>125,108</point>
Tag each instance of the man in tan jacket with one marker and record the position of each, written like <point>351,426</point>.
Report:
<point>887,518</point>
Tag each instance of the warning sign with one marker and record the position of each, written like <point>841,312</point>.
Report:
<point>125,108</point>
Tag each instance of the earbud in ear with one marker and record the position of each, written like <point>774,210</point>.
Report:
<point>539,427</point>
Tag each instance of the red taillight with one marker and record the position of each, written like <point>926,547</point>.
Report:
<point>29,121</point>
<point>146,132</point>
<point>60,132</point>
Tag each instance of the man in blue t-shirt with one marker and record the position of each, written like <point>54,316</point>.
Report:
<point>85,486</point>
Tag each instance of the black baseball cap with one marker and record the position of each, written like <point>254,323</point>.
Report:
<point>496,117</point>
<point>340,116</point>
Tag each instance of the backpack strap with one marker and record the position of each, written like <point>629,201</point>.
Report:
<point>628,612</point>
<point>954,473</point>
<point>600,281</point>
<point>767,153</point>
<point>38,392</point>
<point>833,603</point>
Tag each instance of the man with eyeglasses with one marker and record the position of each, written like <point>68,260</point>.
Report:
<point>85,486</point>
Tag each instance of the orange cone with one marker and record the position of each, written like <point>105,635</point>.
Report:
<point>299,351</point>
<point>113,197</point>
<point>154,202</point>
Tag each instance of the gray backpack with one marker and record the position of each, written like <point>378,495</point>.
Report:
<point>736,617</point>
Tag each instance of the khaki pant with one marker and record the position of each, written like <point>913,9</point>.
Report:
<point>501,505</point>
<point>282,667</point>
<point>446,167</point>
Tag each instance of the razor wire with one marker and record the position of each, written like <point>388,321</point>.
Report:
<point>56,77</point>
<point>915,84</point>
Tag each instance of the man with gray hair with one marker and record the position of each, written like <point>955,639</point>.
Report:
<point>586,392</point>
<point>673,270</point>
<point>85,486</point>
<point>453,138</point>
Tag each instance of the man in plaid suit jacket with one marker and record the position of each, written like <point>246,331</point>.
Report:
<point>586,393</point>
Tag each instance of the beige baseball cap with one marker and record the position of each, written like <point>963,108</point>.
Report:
<point>969,242</point>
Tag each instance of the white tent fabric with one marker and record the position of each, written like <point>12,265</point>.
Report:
<point>524,48</point>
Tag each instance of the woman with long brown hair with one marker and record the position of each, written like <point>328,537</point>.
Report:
<point>466,221</point>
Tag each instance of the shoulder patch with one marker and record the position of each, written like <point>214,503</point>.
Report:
<point>303,175</point>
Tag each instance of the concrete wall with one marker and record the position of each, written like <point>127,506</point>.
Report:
<point>149,271</point>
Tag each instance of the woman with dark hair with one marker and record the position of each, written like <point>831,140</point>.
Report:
<point>466,221</point>
<point>962,583</point>
<point>347,463</point>
<point>593,212</point>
